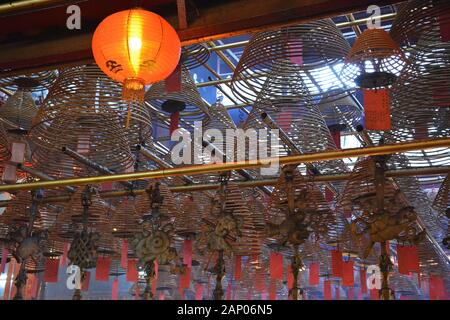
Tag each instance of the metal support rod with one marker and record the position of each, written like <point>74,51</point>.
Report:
<point>40,175</point>
<point>92,164</point>
<point>223,167</point>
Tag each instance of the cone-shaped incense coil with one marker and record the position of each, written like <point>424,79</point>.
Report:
<point>19,109</point>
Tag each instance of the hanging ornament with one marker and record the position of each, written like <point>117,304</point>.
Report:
<point>136,47</point>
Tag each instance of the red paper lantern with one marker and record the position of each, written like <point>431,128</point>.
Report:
<point>136,47</point>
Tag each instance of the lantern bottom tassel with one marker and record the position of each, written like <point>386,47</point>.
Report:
<point>133,91</point>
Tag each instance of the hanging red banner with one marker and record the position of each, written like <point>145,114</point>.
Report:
<point>377,109</point>
<point>314,274</point>
<point>102,269</point>
<point>276,266</point>
<point>336,263</point>
<point>348,277</point>
<point>327,290</point>
<point>238,268</point>
<point>51,270</point>
<point>132,273</point>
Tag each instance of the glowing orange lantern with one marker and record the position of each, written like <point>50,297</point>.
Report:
<point>136,47</point>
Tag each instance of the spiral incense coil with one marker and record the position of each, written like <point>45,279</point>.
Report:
<point>194,56</point>
<point>125,219</point>
<point>419,26</point>
<point>19,109</point>
<point>195,108</point>
<point>5,149</point>
<point>97,136</point>
<point>374,61</point>
<point>316,213</point>
<point>168,209</point>
<point>38,81</point>
<point>189,217</point>
<point>305,50</point>
<point>19,211</point>
<point>342,112</point>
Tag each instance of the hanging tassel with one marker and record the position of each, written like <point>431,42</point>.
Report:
<point>199,291</point>
<point>124,254</point>
<point>64,255</point>
<point>238,268</point>
<point>51,270</point>
<point>314,274</point>
<point>5,253</point>
<point>377,109</point>
<point>115,289</point>
<point>86,281</point>
<point>436,288</point>
<point>327,290</point>
<point>132,273</point>
<point>102,269</point>
<point>187,253</point>
<point>276,266</point>
<point>348,277</point>
<point>363,280</point>
<point>336,263</point>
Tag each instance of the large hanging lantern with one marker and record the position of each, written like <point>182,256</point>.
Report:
<point>136,47</point>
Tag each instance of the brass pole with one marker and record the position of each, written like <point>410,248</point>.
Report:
<point>223,167</point>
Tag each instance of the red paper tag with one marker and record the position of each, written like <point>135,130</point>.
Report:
<point>377,109</point>
<point>199,291</point>
<point>162,296</point>
<point>374,294</point>
<point>115,289</point>
<point>273,290</point>
<point>327,290</point>
<point>5,253</point>
<point>276,266</point>
<point>51,270</point>
<point>363,280</point>
<point>102,269</point>
<point>348,279</point>
<point>185,279</point>
<point>314,274</point>
<point>329,196</point>
<point>336,135</point>
<point>290,277</point>
<point>436,288</point>
<point>413,259</point>
<point>124,254</point>
<point>174,121</point>
<point>187,253</point>
<point>64,255</point>
<point>132,273</point>
<point>173,82</point>
<point>336,263</point>
<point>238,268</point>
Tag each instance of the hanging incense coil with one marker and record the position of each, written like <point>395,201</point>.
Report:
<point>189,217</point>
<point>194,108</point>
<point>5,151</point>
<point>19,110</point>
<point>342,113</point>
<point>302,50</point>
<point>98,136</point>
<point>125,220</point>
<point>420,26</point>
<point>194,55</point>
<point>374,61</point>
<point>38,81</point>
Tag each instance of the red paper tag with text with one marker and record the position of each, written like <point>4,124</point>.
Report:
<point>132,273</point>
<point>314,274</point>
<point>238,268</point>
<point>51,270</point>
<point>348,278</point>
<point>377,109</point>
<point>102,269</point>
<point>276,266</point>
<point>336,263</point>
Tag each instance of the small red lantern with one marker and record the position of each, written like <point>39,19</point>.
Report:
<point>136,47</point>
